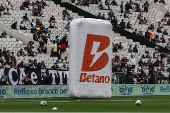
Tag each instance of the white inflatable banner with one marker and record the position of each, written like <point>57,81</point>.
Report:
<point>90,58</point>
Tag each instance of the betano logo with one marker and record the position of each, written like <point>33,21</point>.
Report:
<point>95,58</point>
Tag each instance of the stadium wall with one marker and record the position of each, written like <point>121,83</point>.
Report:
<point>44,91</point>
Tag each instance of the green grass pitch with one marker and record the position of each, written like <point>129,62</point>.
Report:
<point>114,104</point>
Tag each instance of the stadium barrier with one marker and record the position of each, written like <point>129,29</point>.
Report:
<point>41,91</point>
<point>33,91</point>
<point>16,76</point>
<point>140,89</point>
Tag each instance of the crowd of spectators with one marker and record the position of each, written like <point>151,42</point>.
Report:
<point>124,65</point>
<point>148,71</point>
<point>40,33</point>
<point>5,8</point>
<point>160,2</point>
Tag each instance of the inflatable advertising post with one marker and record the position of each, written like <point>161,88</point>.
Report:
<point>90,58</point>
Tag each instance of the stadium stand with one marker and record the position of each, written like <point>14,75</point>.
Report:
<point>94,9</point>
<point>49,22</point>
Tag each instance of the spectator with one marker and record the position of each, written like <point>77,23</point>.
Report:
<point>35,63</point>
<point>129,26</point>
<point>25,18</point>
<point>33,29</point>
<point>127,7</point>
<point>101,6</point>
<point>141,63</point>
<point>120,46</point>
<point>165,32</point>
<point>65,12</point>
<point>4,35</point>
<point>99,16</point>
<point>54,50</point>
<point>22,7</point>
<point>132,61</point>
<point>141,21</point>
<point>151,27</point>
<point>42,65</point>
<point>139,15</point>
<point>63,46</point>
<point>43,79</point>
<point>65,60</point>
<point>135,49</point>
<point>38,29</point>
<point>147,35</point>
<point>25,52</point>
<point>146,7</point>
<point>130,49</point>
<point>40,51</point>
<point>152,34</point>
<point>115,48</point>
<point>52,19</point>
<point>52,25</point>
<point>139,78</point>
<point>6,12</point>
<point>14,25</point>
<point>114,3</point>
<point>20,53</point>
<point>39,23</point>
<point>162,55</point>
<point>107,7</point>
<point>30,7</point>
<point>48,80</point>
<point>121,7</point>
<point>43,3</point>
<point>168,22</point>
<point>145,21</point>
<point>122,24</point>
<point>135,32</point>
<point>167,46</point>
<point>125,15</point>
<point>26,3</point>
<point>162,39</point>
<point>42,29</point>
<point>64,39</point>
<point>110,14</point>
<point>21,65</point>
<point>159,29</point>
<point>103,17</point>
<point>31,53</point>
<point>41,42</point>
<point>69,17</point>
<point>9,6</point>
<point>155,54</point>
<point>35,9</point>
<point>142,8</point>
<point>157,39</point>
<point>34,49</point>
<point>27,80</point>
<point>2,8</point>
<point>4,78</point>
<point>22,26</point>
<point>55,66</point>
<point>49,38</point>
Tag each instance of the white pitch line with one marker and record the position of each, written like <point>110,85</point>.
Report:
<point>35,100</point>
<point>128,100</point>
